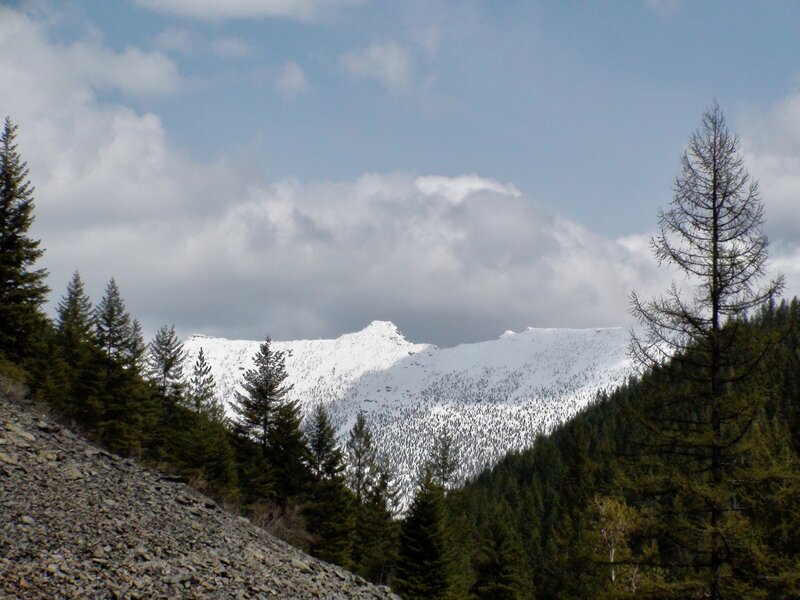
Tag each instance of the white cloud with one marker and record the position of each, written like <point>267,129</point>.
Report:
<point>291,81</point>
<point>247,9</point>
<point>456,189</point>
<point>230,47</point>
<point>81,67</point>
<point>174,40</point>
<point>132,71</point>
<point>428,39</point>
<point>389,63</point>
<point>200,245</point>
<point>771,142</point>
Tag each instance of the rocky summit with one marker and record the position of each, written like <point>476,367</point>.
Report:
<point>79,522</point>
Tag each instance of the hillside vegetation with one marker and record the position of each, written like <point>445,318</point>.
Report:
<point>541,524</point>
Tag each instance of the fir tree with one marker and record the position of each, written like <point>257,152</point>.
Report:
<point>498,563</point>
<point>74,318</point>
<point>287,452</point>
<point>202,392</point>
<point>264,389</point>
<point>330,513</point>
<point>22,288</point>
<point>371,482</point>
<point>76,346</point>
<point>361,459</point>
<point>443,461</point>
<point>113,323</point>
<point>265,414</point>
<point>377,531</point>
<point>136,353</point>
<point>165,363</point>
<point>424,565</point>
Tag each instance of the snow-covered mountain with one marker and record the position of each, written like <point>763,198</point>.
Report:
<point>491,396</point>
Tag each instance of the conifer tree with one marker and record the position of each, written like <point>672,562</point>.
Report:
<point>362,458</point>
<point>113,323</point>
<point>443,461</point>
<point>265,388</point>
<point>330,513</point>
<point>377,531</point>
<point>202,392</point>
<point>424,565</point>
<point>699,428</point>
<point>265,413</point>
<point>136,352</point>
<point>498,563</point>
<point>287,452</point>
<point>22,288</point>
<point>165,363</point>
<point>372,485</point>
<point>76,344</point>
<point>74,318</point>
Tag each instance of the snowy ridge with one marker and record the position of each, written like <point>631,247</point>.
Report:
<point>492,396</point>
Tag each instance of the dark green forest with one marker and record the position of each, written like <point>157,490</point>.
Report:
<point>684,483</point>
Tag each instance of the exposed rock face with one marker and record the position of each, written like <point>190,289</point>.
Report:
<point>78,522</point>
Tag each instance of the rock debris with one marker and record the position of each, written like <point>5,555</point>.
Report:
<point>79,522</point>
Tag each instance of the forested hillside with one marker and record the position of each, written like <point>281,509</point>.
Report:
<point>570,518</point>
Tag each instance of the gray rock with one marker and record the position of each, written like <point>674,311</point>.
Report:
<point>77,522</point>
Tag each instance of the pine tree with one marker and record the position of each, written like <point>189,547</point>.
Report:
<point>136,353</point>
<point>22,288</point>
<point>264,413</point>
<point>377,531</point>
<point>202,392</point>
<point>165,364</point>
<point>76,345</point>
<point>330,512</point>
<point>498,563</point>
<point>424,565</point>
<point>74,318</point>
<point>264,389</point>
<point>113,323</point>
<point>443,461</point>
<point>699,426</point>
<point>287,452</point>
<point>362,458</point>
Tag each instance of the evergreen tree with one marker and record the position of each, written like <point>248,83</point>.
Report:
<point>443,461</point>
<point>362,458</point>
<point>375,499</point>
<point>165,364</point>
<point>424,565</point>
<point>264,413</point>
<point>76,346</point>
<point>264,389</point>
<point>330,513</point>
<point>22,288</point>
<point>498,563</point>
<point>202,392</point>
<point>74,318</point>
<point>113,323</point>
<point>287,452</point>
<point>377,531</point>
<point>711,232</point>
<point>136,352</point>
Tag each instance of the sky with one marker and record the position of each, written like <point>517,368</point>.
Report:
<point>300,168</point>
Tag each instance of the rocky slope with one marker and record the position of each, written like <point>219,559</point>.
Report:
<point>491,397</point>
<point>78,522</point>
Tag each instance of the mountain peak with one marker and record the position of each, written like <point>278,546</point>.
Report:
<point>382,328</point>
